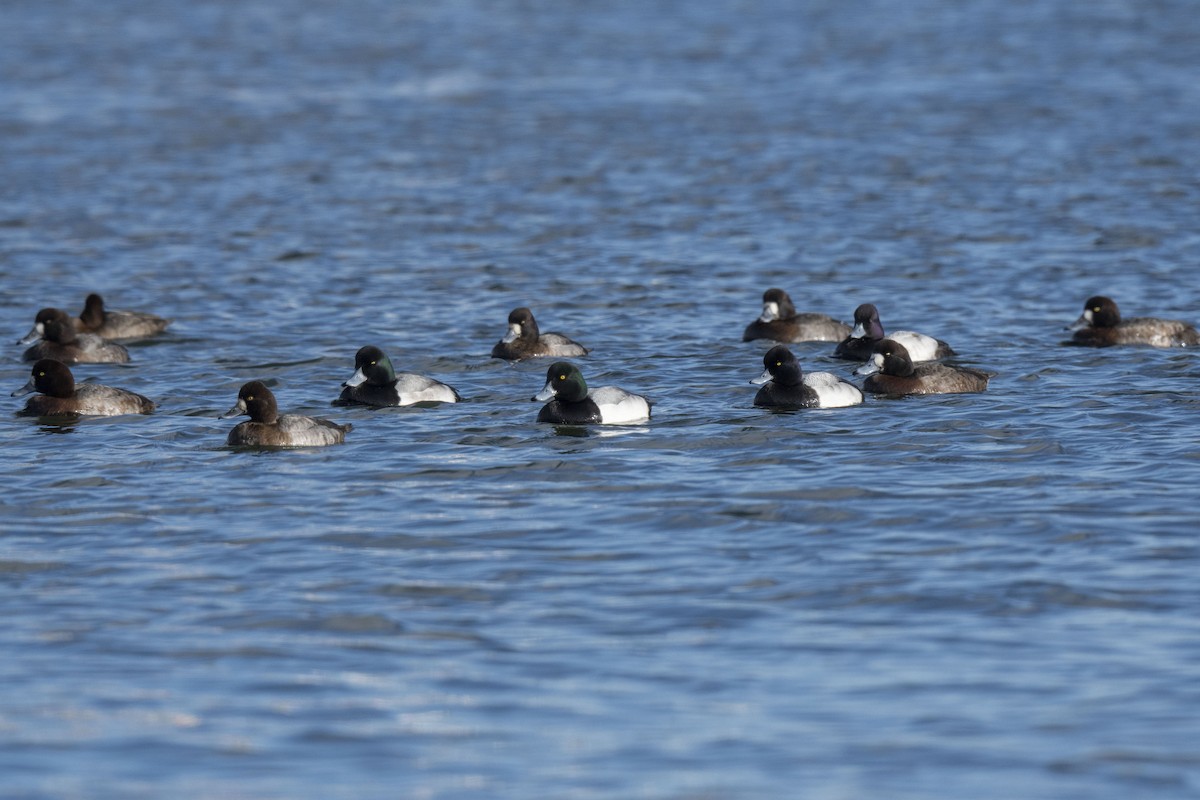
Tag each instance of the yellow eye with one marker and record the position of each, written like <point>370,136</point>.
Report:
<point>779,363</point>
<point>562,377</point>
<point>41,374</point>
<point>372,363</point>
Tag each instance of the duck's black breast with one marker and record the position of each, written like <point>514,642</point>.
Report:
<point>1095,337</point>
<point>775,395</point>
<point>580,413</point>
<point>370,395</point>
<point>850,349</point>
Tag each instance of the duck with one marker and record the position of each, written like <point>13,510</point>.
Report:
<point>891,372</point>
<point>868,331</point>
<point>523,340</point>
<point>375,383</point>
<point>61,342</point>
<point>786,386</point>
<point>117,324</point>
<point>1101,326</point>
<point>268,428</point>
<point>781,322</point>
<point>59,395</point>
<point>571,403</point>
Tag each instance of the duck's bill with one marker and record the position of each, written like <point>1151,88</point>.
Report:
<point>770,312</point>
<point>1084,321</point>
<point>514,333</point>
<point>859,331</point>
<point>34,334</point>
<point>871,367</point>
<point>26,389</point>
<point>761,379</point>
<point>547,393</point>
<point>356,379</point>
<point>238,409</point>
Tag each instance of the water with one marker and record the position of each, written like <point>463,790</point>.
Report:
<point>986,596</point>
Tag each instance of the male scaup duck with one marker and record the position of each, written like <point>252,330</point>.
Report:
<point>59,395</point>
<point>868,331</point>
<point>1101,326</point>
<point>375,383</point>
<point>785,385</point>
<point>62,343</point>
<point>781,322</point>
<point>268,428</point>
<point>892,372</point>
<point>572,404</point>
<point>118,324</point>
<point>524,341</point>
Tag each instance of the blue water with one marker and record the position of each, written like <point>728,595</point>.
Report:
<point>984,596</point>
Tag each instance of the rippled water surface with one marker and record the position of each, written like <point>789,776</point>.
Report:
<point>984,596</point>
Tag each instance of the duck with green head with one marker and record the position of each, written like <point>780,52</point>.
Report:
<point>571,402</point>
<point>375,382</point>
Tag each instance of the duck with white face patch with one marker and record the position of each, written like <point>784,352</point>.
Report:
<point>524,340</point>
<point>59,395</point>
<point>571,402</point>
<point>1101,325</point>
<point>268,428</point>
<point>891,372</point>
<point>61,342</point>
<point>781,322</point>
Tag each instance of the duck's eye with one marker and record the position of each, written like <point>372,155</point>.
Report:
<point>562,377</point>
<point>41,374</point>
<point>250,397</point>
<point>779,363</point>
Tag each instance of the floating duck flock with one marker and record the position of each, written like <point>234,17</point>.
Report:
<point>894,365</point>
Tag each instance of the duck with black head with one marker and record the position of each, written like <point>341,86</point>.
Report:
<point>1101,325</point>
<point>61,342</point>
<point>375,382</point>
<point>268,428</point>
<point>524,340</point>
<point>786,386</point>
<point>891,372</point>
<point>572,403</point>
<point>59,395</point>
<point>868,331</point>
<point>95,318</point>
<point>781,322</point>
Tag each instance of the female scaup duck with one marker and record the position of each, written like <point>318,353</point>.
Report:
<point>571,403</point>
<point>892,372</point>
<point>868,331</point>
<point>1101,326</point>
<point>61,343</point>
<point>780,322</point>
<point>118,324</point>
<point>58,395</point>
<point>375,383</point>
<point>524,341</point>
<point>268,428</point>
<point>784,385</point>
